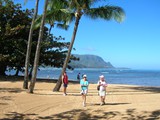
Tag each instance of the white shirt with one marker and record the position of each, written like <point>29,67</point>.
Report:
<point>103,85</point>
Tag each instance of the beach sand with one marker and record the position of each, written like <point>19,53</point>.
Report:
<point>123,102</point>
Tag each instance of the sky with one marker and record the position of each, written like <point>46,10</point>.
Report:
<point>134,43</point>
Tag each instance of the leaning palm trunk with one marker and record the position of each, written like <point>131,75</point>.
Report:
<point>59,82</point>
<point>104,12</point>
<point>51,26</point>
<point>36,60</point>
<point>27,61</point>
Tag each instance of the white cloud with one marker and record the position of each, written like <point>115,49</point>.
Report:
<point>89,49</point>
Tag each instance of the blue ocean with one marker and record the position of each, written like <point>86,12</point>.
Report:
<point>112,76</point>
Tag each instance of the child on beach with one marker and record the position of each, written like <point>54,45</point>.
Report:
<point>65,83</point>
<point>84,88</point>
<point>102,89</point>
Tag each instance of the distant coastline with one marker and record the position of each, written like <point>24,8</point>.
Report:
<point>90,61</point>
<point>113,76</point>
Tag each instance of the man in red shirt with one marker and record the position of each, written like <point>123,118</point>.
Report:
<point>65,83</point>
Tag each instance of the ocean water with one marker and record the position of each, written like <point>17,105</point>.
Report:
<point>112,76</point>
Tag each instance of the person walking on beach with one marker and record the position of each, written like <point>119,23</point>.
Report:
<point>84,88</point>
<point>102,89</point>
<point>78,77</point>
<point>65,83</point>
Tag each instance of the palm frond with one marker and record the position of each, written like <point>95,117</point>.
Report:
<point>63,26</point>
<point>60,15</point>
<point>56,4</point>
<point>106,13</point>
<point>37,22</point>
<point>25,1</point>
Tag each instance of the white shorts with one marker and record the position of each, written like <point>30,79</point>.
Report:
<point>84,92</point>
<point>102,93</point>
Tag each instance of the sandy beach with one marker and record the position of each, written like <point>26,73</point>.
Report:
<point>123,102</point>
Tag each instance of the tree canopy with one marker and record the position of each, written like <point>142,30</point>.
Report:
<point>14,29</point>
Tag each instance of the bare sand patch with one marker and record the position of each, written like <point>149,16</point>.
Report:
<point>122,102</point>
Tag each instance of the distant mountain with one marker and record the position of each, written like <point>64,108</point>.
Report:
<point>90,61</point>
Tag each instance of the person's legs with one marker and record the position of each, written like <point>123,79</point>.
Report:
<point>103,99</point>
<point>84,100</point>
<point>65,89</point>
<point>84,94</point>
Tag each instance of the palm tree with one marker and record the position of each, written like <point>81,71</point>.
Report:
<point>54,13</point>
<point>36,60</point>
<point>80,7</point>
<point>27,61</point>
<point>57,15</point>
<point>52,21</point>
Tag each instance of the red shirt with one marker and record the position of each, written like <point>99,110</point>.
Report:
<point>65,79</point>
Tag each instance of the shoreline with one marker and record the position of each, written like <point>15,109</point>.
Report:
<point>132,77</point>
<point>21,78</point>
<point>122,102</point>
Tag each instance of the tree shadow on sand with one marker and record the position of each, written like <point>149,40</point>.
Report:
<point>147,89</point>
<point>81,114</point>
<point>138,89</point>
<point>11,90</point>
<point>18,116</point>
<point>5,98</point>
<point>97,104</point>
<point>132,114</point>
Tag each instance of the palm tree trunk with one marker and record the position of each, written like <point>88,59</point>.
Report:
<point>59,82</point>
<point>27,61</point>
<point>3,68</point>
<point>30,72</point>
<point>51,26</point>
<point>17,71</point>
<point>36,60</point>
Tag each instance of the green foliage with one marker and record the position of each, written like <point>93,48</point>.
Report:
<point>57,14</point>
<point>14,30</point>
<point>106,13</point>
<point>14,24</point>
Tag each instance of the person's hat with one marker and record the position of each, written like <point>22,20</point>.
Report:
<point>101,76</point>
<point>84,76</point>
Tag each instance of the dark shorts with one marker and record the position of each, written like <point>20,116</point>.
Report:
<point>65,85</point>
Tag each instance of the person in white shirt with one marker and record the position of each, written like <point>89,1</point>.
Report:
<point>102,89</point>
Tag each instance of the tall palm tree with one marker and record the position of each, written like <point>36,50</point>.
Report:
<point>36,60</point>
<point>84,7</point>
<point>27,61</point>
